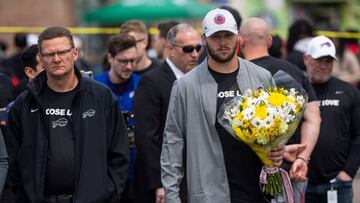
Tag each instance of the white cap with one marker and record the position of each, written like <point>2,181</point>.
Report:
<point>321,46</point>
<point>219,20</point>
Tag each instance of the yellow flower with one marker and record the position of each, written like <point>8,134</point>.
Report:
<point>239,116</point>
<point>260,111</point>
<point>244,105</point>
<point>277,99</point>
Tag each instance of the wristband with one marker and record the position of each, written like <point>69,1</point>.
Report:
<point>303,159</point>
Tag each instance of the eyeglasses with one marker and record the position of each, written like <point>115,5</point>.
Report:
<point>59,53</point>
<point>126,61</point>
<point>188,48</point>
<point>140,40</point>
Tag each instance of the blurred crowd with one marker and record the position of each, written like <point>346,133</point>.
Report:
<point>140,70</point>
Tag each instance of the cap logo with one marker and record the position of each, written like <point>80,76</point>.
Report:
<point>325,44</point>
<point>219,19</point>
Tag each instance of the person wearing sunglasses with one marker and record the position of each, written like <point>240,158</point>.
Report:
<point>66,137</point>
<point>150,105</point>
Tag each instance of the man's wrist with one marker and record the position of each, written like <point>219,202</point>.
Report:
<point>303,159</point>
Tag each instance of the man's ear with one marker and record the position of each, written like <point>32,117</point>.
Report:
<point>305,59</point>
<point>241,42</point>
<point>29,72</point>
<point>203,39</point>
<point>109,57</point>
<point>269,41</point>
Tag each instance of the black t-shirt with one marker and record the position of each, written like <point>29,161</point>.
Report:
<point>338,145</point>
<point>60,164</point>
<point>154,64</point>
<point>296,57</point>
<point>242,164</point>
<point>273,65</point>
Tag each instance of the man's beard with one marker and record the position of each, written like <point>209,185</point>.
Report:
<point>217,58</point>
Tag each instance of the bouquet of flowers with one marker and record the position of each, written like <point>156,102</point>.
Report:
<point>263,119</point>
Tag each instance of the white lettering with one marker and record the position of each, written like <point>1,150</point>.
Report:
<point>329,102</point>
<point>227,94</point>
<point>221,94</point>
<point>58,112</point>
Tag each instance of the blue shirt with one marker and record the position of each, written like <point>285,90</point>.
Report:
<point>124,98</point>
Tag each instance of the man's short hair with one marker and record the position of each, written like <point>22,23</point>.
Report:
<point>164,28</point>
<point>55,32</point>
<point>134,26</point>
<point>120,42</point>
<point>28,57</point>
<point>170,37</point>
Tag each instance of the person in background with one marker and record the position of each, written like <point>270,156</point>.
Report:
<point>31,62</point>
<point>276,48</point>
<point>31,67</point>
<point>12,66</point>
<point>122,57</point>
<point>348,66</point>
<point>66,137</point>
<point>299,35</point>
<point>255,39</point>
<point>81,63</point>
<point>213,173</point>
<point>4,163</point>
<point>151,104</point>
<point>3,48</point>
<point>138,30</point>
<point>336,156</point>
<point>159,41</point>
<point>7,95</point>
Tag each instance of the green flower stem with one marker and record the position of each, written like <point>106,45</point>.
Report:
<point>274,184</point>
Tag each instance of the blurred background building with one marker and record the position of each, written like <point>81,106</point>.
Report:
<point>30,16</point>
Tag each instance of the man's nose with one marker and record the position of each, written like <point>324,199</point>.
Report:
<point>56,57</point>
<point>195,53</point>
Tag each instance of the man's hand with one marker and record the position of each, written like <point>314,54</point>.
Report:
<point>276,155</point>
<point>2,123</point>
<point>292,151</point>
<point>160,195</point>
<point>298,170</point>
<point>343,176</point>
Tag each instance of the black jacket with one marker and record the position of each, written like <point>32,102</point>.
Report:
<point>150,107</point>
<point>100,138</point>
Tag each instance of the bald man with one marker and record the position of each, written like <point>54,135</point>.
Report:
<point>255,39</point>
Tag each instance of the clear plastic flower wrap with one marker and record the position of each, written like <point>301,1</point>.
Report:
<point>263,119</point>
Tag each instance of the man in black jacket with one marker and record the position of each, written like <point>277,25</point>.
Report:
<point>66,139</point>
<point>150,105</point>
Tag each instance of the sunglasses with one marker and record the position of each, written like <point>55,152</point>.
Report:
<point>188,48</point>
